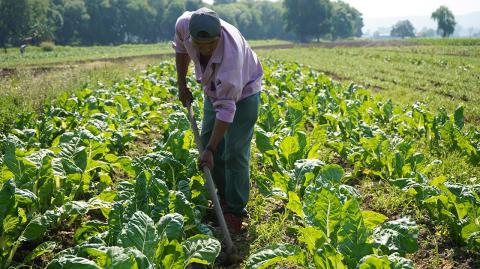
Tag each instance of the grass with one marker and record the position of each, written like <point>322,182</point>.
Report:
<point>442,76</point>
<point>447,41</point>
<point>67,54</point>
<point>27,91</point>
<point>35,56</point>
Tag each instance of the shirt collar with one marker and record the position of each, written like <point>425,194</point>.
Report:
<point>218,53</point>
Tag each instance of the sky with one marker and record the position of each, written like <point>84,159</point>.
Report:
<point>399,8</point>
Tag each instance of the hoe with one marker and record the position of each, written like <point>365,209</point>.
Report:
<point>230,256</point>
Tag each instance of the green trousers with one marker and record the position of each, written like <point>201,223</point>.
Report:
<point>231,171</point>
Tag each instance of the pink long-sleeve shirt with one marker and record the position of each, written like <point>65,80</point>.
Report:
<point>233,72</point>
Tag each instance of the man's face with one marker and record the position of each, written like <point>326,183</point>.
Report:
<point>206,48</point>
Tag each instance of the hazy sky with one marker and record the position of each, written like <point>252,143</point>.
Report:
<point>398,8</point>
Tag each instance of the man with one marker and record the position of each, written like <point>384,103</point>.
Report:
<point>230,75</point>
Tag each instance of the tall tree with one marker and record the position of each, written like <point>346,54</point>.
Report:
<point>173,10</point>
<point>341,22</point>
<point>308,18</point>
<point>403,29</point>
<point>41,20</point>
<point>138,17</point>
<point>75,22</point>
<point>217,2</point>
<point>13,21</point>
<point>445,20</point>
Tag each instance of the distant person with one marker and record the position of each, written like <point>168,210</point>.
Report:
<point>231,77</point>
<point>23,48</point>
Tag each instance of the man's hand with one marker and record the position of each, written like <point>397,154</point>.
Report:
<point>185,96</point>
<point>206,159</point>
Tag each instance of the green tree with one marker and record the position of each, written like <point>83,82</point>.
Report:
<point>13,21</point>
<point>403,29</point>
<point>341,22</point>
<point>138,17</point>
<point>75,22</point>
<point>308,18</point>
<point>173,10</point>
<point>42,19</point>
<point>346,21</point>
<point>445,20</point>
<point>218,2</point>
<point>271,19</point>
<point>357,21</point>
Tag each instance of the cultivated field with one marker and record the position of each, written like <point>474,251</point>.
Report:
<point>442,74</point>
<point>349,169</point>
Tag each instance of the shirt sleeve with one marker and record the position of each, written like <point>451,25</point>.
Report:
<point>181,29</point>
<point>229,86</point>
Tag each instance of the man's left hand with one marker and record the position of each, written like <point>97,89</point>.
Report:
<point>206,159</point>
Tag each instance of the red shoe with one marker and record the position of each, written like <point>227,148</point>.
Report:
<point>234,223</point>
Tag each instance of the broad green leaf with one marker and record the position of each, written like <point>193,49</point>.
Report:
<point>352,234</point>
<point>172,256</point>
<point>294,204</point>
<point>473,241</point>
<point>397,236</point>
<point>178,203</point>
<point>115,223</point>
<point>332,173</point>
<point>39,225</point>
<point>373,219</point>
<point>140,233</point>
<point>171,226</point>
<point>76,208</point>
<point>312,237</point>
<point>72,262</point>
<point>89,229</point>
<point>273,254</point>
<point>25,197</point>
<point>157,189</point>
<point>7,196</point>
<point>470,229</point>
<point>264,185</point>
<point>23,169</point>
<point>45,247</point>
<point>280,181</point>
<point>305,170</point>
<point>295,113</point>
<point>289,146</point>
<point>322,209</point>
<point>398,262</point>
<point>262,141</point>
<point>11,222</point>
<point>458,117</point>
<point>119,258</point>
<point>141,197</point>
<point>327,257</point>
<point>374,262</point>
<point>99,203</point>
<point>201,249</point>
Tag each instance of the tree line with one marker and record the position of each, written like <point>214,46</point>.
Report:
<point>445,24</point>
<point>104,22</point>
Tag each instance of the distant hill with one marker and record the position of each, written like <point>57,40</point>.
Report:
<point>464,23</point>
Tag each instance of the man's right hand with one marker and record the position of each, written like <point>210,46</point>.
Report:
<point>185,96</point>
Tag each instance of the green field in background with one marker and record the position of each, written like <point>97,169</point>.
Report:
<point>443,76</point>
<point>35,56</point>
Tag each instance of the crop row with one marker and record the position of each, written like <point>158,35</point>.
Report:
<point>80,167</point>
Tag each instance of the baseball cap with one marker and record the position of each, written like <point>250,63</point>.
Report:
<point>204,24</point>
